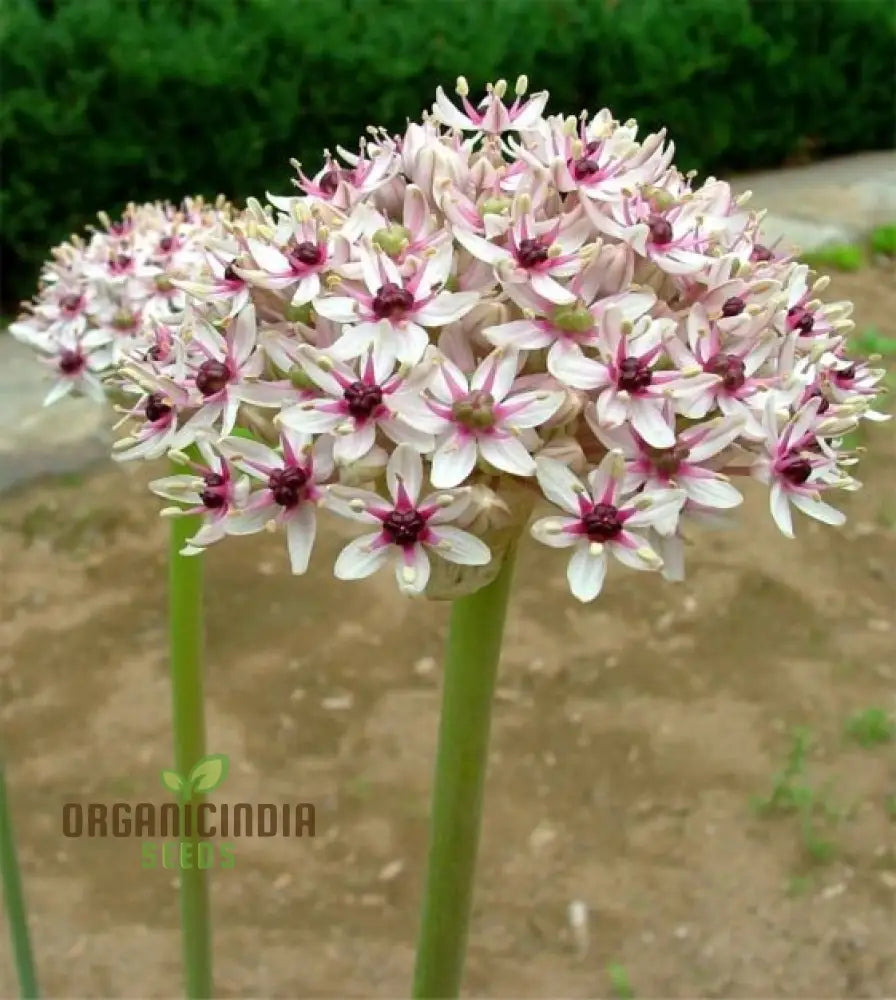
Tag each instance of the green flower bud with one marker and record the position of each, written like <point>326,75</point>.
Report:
<point>299,378</point>
<point>392,241</point>
<point>496,205</point>
<point>300,314</point>
<point>574,318</point>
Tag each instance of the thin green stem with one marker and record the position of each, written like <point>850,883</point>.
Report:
<point>15,900</point>
<point>186,638</point>
<point>471,666</point>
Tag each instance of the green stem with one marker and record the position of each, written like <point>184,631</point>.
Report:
<point>471,666</point>
<point>15,900</point>
<point>186,637</point>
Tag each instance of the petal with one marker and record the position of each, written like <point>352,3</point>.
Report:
<point>337,308</point>
<point>412,570</point>
<point>508,454</point>
<point>237,449</point>
<point>309,418</point>
<point>579,372</point>
<point>553,291</point>
<point>405,470</point>
<point>496,373</point>
<point>586,572</point>
<point>267,257</point>
<point>412,343</point>
<point>339,499</point>
<point>453,461</point>
<point>349,448</point>
<point>461,547</point>
<point>647,419</point>
<point>520,334</point>
<point>710,492</point>
<point>251,521</point>
<point>446,307</point>
<point>362,557</point>
<point>557,532</point>
<point>818,509</point>
<point>780,509</point>
<point>530,409</point>
<point>480,248</point>
<point>561,486</point>
<point>300,531</point>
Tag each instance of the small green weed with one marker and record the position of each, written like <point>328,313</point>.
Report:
<point>619,981</point>
<point>871,727</point>
<point>838,257</point>
<point>791,793</point>
<point>883,240</point>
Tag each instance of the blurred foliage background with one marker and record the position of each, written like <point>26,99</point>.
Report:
<point>106,101</point>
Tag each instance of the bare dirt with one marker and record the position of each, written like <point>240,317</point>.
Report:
<point>630,738</point>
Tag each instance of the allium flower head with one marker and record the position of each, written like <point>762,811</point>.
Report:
<point>520,309</point>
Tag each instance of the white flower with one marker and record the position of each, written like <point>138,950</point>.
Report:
<point>408,529</point>
<point>600,520</point>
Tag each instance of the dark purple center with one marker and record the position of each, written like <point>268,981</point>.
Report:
<point>847,374</point>
<point>392,301</point>
<point>70,362</point>
<point>287,485</point>
<point>329,182</point>
<point>70,303</point>
<point>166,244</point>
<point>730,367</point>
<point>733,306</point>
<point>231,275</point>
<point>795,469</point>
<point>800,319</point>
<point>156,407</point>
<point>531,253</point>
<point>661,231</point>
<point>213,496</point>
<point>362,399</point>
<point>825,404</point>
<point>121,262</point>
<point>404,527</point>
<point>602,523</point>
<point>633,375</point>
<point>760,253</point>
<point>212,377</point>
<point>305,254</point>
<point>583,168</point>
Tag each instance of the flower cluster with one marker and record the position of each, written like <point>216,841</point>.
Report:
<point>105,298</point>
<point>510,306</point>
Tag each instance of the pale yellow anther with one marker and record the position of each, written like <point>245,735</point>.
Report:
<point>595,548</point>
<point>649,556</point>
<point>555,250</point>
<point>270,526</point>
<point>618,467</point>
<point>325,364</point>
<point>463,88</point>
<point>522,85</point>
<point>332,281</point>
<point>642,503</point>
<point>408,574</point>
<point>357,504</point>
<point>500,89</point>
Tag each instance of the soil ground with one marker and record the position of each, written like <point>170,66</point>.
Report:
<point>630,738</point>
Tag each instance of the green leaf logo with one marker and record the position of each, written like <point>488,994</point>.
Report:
<point>173,782</point>
<point>208,773</point>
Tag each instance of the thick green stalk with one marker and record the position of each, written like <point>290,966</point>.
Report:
<point>186,639</point>
<point>15,900</point>
<point>471,666</point>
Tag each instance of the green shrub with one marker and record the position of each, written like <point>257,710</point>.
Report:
<point>110,100</point>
